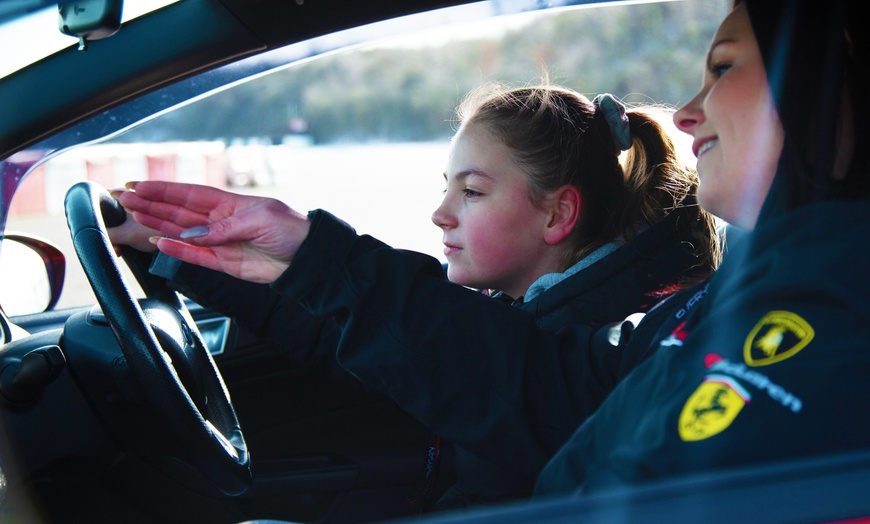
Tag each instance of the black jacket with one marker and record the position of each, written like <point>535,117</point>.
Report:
<point>632,278</point>
<point>490,387</point>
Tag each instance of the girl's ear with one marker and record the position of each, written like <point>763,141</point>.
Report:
<point>564,207</point>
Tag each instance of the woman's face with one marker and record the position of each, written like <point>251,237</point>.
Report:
<point>737,132</point>
<point>492,231</point>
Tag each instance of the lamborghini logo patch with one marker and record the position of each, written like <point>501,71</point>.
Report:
<point>711,408</point>
<point>776,337</point>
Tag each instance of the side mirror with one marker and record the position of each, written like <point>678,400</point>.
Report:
<point>31,274</point>
<point>89,19</point>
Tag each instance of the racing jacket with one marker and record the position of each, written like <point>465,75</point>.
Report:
<point>766,362</point>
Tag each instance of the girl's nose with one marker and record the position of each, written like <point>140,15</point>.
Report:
<point>442,217</point>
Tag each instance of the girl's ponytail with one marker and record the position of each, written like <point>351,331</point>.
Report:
<point>658,182</point>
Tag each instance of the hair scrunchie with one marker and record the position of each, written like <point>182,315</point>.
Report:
<point>617,120</point>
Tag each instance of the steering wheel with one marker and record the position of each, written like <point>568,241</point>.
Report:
<point>165,351</point>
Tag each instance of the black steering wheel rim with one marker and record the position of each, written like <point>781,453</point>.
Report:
<point>211,442</point>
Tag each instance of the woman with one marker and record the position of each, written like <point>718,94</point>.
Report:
<point>772,357</point>
<point>757,361</point>
<point>542,213</point>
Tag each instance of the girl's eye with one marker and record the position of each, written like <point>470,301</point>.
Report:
<point>717,70</point>
<point>471,193</point>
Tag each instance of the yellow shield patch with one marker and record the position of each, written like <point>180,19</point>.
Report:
<point>776,337</point>
<point>711,408</point>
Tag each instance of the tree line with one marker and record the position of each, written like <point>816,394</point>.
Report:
<point>641,53</point>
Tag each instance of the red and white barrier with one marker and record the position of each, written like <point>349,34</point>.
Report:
<point>112,165</point>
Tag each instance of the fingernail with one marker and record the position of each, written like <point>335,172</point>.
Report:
<point>154,240</point>
<point>194,232</point>
<point>130,185</point>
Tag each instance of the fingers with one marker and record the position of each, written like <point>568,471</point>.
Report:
<point>228,259</point>
<point>174,207</point>
<point>164,227</point>
<point>201,256</point>
<point>178,214</point>
<point>157,217</point>
<point>193,197</point>
<point>265,225</point>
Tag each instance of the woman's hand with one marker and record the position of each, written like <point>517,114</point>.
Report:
<point>249,237</point>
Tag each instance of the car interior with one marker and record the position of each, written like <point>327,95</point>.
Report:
<point>123,401</point>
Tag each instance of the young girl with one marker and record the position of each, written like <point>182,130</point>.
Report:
<point>537,207</point>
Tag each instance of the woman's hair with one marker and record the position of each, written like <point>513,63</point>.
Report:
<point>559,137</point>
<point>816,58</point>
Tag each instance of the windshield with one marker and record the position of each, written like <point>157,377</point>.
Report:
<point>359,121</point>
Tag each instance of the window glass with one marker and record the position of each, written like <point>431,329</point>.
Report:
<point>365,132</point>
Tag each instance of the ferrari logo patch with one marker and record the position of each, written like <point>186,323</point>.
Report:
<point>711,408</point>
<point>776,337</point>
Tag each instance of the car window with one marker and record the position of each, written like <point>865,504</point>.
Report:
<point>359,122</point>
